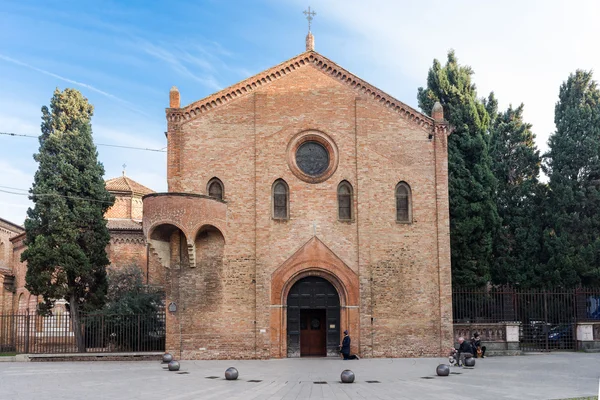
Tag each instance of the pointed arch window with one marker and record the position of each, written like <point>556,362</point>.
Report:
<point>344,194</point>
<point>215,188</point>
<point>403,203</point>
<point>281,209</point>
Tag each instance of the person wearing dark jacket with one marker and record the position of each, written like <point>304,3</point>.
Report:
<point>464,351</point>
<point>345,348</point>
<point>476,344</point>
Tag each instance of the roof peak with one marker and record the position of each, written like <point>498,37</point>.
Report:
<point>308,58</point>
<point>124,184</point>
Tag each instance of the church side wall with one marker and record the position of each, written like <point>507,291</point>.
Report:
<point>402,287</point>
<point>22,299</point>
<point>129,248</point>
<point>221,144</point>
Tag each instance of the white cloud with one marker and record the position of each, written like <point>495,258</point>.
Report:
<point>178,60</point>
<point>74,82</point>
<point>521,50</point>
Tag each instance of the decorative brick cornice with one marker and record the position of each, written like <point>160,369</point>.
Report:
<point>124,238</point>
<point>11,227</point>
<point>309,58</point>
<point>443,128</point>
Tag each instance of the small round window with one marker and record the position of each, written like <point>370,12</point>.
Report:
<point>312,158</point>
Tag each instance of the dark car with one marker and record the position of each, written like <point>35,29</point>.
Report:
<point>561,336</point>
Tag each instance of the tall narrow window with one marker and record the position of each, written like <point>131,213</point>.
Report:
<point>280,200</point>
<point>215,188</point>
<point>344,201</point>
<point>403,203</point>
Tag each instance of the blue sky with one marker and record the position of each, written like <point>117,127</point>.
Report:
<point>125,55</point>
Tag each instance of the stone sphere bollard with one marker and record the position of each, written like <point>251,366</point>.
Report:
<point>231,374</point>
<point>470,362</point>
<point>167,358</point>
<point>443,370</point>
<point>174,366</point>
<point>347,376</point>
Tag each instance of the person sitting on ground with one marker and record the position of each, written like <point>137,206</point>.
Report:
<point>478,349</point>
<point>345,348</point>
<point>464,351</point>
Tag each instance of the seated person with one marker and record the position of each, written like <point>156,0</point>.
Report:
<point>464,351</point>
<point>478,349</point>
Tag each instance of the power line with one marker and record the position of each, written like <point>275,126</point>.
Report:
<point>14,188</point>
<point>55,195</point>
<point>97,144</point>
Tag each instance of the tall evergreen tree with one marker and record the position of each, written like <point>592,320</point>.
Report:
<point>516,166</point>
<point>473,215</point>
<point>572,242</point>
<point>66,230</point>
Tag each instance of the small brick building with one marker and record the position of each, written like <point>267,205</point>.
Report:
<point>124,221</point>
<point>302,202</point>
<point>127,247</point>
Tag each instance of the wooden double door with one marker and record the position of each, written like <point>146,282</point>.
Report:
<point>313,333</point>
<point>313,318</point>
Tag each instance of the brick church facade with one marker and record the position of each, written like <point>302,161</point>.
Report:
<point>302,202</point>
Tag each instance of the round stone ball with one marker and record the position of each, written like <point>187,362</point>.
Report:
<point>167,358</point>
<point>443,370</point>
<point>347,376</point>
<point>231,374</point>
<point>174,366</point>
<point>470,362</point>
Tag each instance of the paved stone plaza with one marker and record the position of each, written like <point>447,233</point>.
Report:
<point>550,376</point>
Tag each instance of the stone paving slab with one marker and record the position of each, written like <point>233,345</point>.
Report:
<point>550,376</point>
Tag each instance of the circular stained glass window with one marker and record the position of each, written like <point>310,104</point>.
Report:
<point>312,158</point>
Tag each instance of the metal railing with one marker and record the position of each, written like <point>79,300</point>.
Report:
<point>34,334</point>
<point>547,318</point>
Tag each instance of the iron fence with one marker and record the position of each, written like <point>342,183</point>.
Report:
<point>547,318</point>
<point>34,334</point>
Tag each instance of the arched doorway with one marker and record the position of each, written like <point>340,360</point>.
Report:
<point>313,318</point>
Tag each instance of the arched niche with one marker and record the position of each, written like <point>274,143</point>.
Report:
<point>207,277</point>
<point>170,244</point>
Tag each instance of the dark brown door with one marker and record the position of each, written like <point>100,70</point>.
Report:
<point>313,295</point>
<point>312,333</point>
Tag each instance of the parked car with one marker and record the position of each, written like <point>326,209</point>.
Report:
<point>561,336</point>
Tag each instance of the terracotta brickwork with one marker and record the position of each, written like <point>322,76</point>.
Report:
<point>127,246</point>
<point>229,264</point>
<point>8,231</point>
<point>128,198</point>
<point>22,300</point>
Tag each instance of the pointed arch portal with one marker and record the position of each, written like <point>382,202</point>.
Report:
<point>313,285</point>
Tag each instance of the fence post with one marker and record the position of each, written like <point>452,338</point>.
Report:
<point>27,332</point>
<point>546,319</point>
<point>139,341</point>
<point>575,315</point>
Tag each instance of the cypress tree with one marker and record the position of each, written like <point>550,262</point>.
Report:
<point>516,165</point>
<point>66,230</point>
<point>572,237</point>
<point>473,215</point>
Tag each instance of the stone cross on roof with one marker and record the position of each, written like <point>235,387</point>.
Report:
<point>309,16</point>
